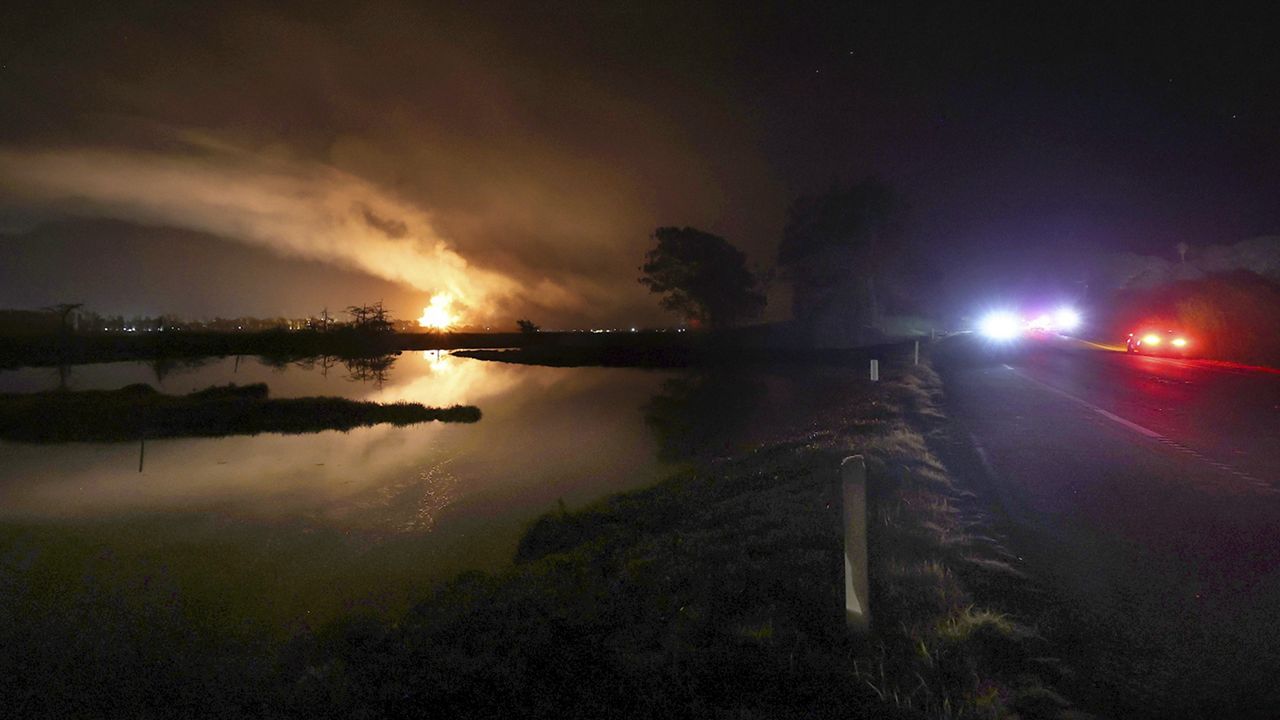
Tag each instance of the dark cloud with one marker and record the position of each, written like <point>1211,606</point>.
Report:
<point>390,227</point>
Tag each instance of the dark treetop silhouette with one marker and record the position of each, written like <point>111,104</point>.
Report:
<point>702,277</point>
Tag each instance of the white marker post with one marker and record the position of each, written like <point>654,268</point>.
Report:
<point>875,370</point>
<point>857,608</point>
<point>917,360</point>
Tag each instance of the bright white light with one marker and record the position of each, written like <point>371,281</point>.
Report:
<point>1180,342</point>
<point>436,315</point>
<point>437,360</point>
<point>1066,319</point>
<point>1000,325</point>
<point>1151,339</point>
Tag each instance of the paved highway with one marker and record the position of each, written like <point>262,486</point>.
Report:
<point>1145,492</point>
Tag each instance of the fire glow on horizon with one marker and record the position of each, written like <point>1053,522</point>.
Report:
<point>436,315</point>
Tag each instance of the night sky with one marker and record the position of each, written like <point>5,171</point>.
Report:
<point>232,159</point>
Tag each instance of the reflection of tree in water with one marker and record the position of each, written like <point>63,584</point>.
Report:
<point>704,414</point>
<point>370,369</point>
<point>64,374</point>
<point>162,366</point>
<point>324,362</point>
<point>309,363</point>
<point>276,363</point>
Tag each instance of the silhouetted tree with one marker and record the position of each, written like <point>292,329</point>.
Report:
<point>702,277</point>
<point>527,326</point>
<point>63,311</point>
<point>834,247</point>
<point>90,321</point>
<point>371,318</point>
<point>359,314</point>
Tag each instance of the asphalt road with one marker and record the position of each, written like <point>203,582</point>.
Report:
<point>1145,494</point>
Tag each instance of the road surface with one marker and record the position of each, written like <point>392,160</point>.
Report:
<point>1145,492</point>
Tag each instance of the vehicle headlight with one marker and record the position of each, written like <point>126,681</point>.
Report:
<point>1066,319</point>
<point>1000,325</point>
<point>1180,342</point>
<point>1151,339</point>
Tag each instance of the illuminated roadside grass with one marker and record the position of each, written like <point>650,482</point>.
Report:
<point>139,411</point>
<point>718,594</point>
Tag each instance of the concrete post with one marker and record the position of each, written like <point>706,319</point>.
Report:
<point>875,370</point>
<point>857,608</point>
<point>917,354</point>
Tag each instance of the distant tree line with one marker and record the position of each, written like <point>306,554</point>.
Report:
<point>74,318</point>
<point>834,252</point>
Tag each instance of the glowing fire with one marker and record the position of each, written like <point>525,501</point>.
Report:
<point>436,315</point>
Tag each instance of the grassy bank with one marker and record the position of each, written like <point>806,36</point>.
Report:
<point>139,411</point>
<point>718,594</point>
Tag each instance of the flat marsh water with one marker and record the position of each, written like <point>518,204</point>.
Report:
<point>289,531</point>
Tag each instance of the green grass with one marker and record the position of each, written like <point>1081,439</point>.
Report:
<point>140,411</point>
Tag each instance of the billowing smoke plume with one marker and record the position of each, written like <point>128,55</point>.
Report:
<point>301,209</point>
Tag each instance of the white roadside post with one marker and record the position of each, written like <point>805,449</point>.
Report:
<point>875,370</point>
<point>857,608</point>
<point>917,360</point>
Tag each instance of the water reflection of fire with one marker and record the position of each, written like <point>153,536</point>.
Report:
<point>438,378</point>
<point>407,504</point>
<point>437,488</point>
<point>437,360</point>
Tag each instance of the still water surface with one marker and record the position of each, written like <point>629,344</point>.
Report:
<point>288,531</point>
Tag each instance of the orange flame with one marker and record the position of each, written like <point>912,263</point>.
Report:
<point>436,315</point>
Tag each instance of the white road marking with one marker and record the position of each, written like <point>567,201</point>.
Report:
<point>1148,432</point>
<point>1108,415</point>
